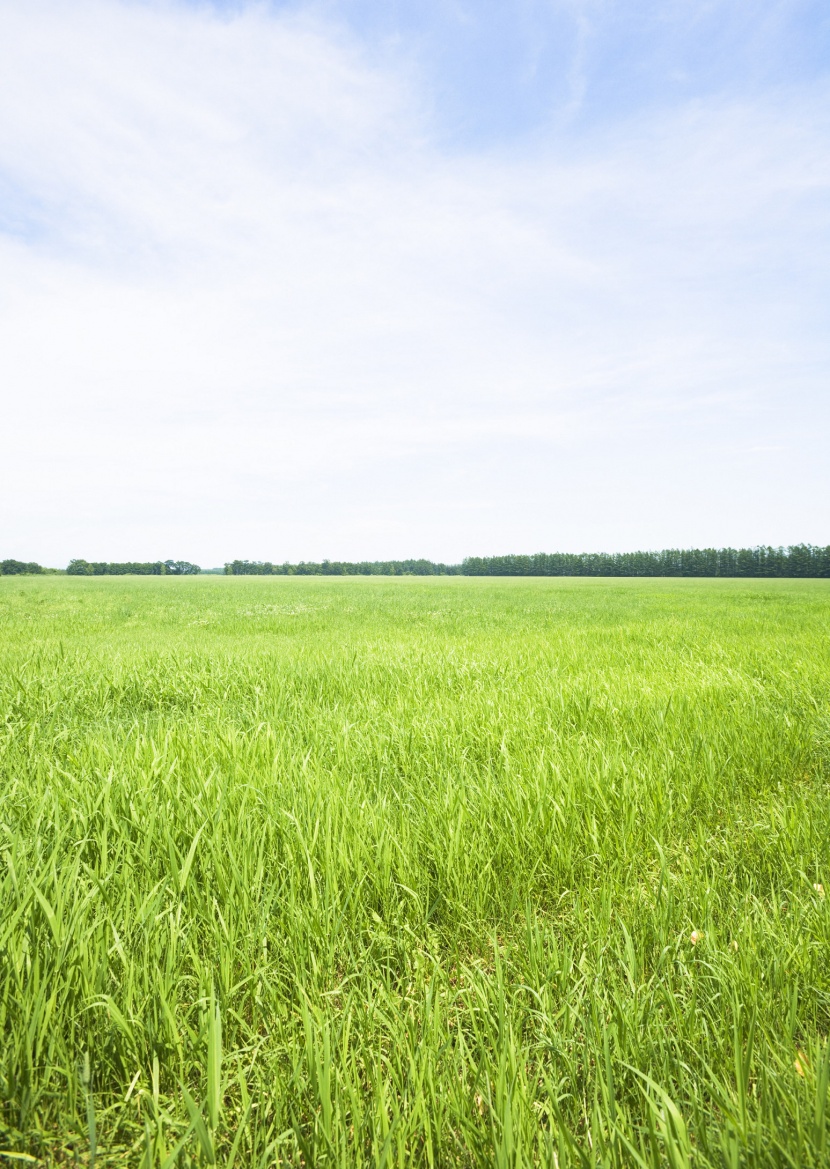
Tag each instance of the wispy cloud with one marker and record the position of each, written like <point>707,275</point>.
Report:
<point>251,303</point>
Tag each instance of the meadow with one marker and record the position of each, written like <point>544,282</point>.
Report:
<point>432,872</point>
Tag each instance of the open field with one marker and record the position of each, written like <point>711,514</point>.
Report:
<point>406,872</point>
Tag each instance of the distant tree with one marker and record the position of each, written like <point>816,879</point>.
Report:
<point>798,560</point>
<point>181,568</point>
<point>249,568</point>
<point>132,568</point>
<point>341,568</point>
<point>19,568</point>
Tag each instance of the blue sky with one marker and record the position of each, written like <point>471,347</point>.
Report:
<point>497,71</point>
<point>383,279</point>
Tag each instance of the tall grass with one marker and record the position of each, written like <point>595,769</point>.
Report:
<point>414,872</point>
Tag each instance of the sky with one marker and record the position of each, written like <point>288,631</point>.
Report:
<point>370,279</point>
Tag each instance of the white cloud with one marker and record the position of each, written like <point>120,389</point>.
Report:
<point>247,308</point>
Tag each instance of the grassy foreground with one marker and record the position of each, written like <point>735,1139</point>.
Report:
<point>414,872</point>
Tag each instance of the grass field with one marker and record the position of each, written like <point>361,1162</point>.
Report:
<point>414,872</point>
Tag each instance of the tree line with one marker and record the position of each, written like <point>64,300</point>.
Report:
<point>20,568</point>
<point>342,568</point>
<point>133,568</point>
<point>797,560</point>
<point>803,560</point>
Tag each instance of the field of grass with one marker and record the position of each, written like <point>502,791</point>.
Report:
<point>414,872</point>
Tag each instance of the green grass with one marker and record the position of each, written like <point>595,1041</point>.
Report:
<point>405,872</point>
